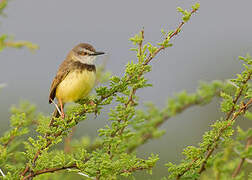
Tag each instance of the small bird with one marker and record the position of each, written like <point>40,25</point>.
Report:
<point>75,77</point>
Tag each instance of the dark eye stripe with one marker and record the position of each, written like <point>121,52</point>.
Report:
<point>82,53</point>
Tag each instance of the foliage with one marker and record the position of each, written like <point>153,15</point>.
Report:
<point>28,150</point>
<point>198,159</point>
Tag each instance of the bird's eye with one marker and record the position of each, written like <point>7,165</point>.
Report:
<point>82,53</point>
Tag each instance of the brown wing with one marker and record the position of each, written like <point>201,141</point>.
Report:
<point>64,69</point>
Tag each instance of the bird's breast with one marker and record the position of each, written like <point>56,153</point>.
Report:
<point>76,85</point>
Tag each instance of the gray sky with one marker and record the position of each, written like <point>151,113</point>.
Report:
<point>207,49</point>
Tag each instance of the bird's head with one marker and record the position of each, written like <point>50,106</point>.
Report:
<point>85,53</point>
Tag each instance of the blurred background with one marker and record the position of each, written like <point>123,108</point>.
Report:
<point>206,49</point>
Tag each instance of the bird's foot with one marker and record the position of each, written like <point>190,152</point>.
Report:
<point>62,115</point>
<point>92,103</point>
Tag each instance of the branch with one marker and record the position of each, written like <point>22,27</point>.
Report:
<point>49,142</point>
<point>48,136</point>
<point>67,145</point>
<point>1,172</point>
<point>146,62</point>
<point>210,151</point>
<point>100,100</point>
<point>52,170</point>
<point>238,168</point>
<point>213,146</point>
<point>235,115</point>
<point>48,170</point>
<point>21,44</point>
<point>151,56</point>
<point>12,137</point>
<point>135,169</point>
<point>147,136</point>
<point>187,169</point>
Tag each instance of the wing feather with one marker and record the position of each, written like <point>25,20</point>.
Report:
<point>64,69</point>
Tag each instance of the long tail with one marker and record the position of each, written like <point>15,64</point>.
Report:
<point>57,110</point>
<point>56,113</point>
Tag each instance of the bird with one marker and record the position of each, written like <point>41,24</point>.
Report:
<point>75,77</point>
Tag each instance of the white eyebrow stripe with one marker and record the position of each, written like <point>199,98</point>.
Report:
<point>86,51</point>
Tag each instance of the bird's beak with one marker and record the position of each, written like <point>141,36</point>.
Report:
<point>97,53</point>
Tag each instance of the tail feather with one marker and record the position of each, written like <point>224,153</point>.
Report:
<point>56,113</point>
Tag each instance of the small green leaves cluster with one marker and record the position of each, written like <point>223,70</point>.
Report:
<point>3,5</point>
<point>234,158</point>
<point>7,41</point>
<point>22,119</point>
<point>187,15</point>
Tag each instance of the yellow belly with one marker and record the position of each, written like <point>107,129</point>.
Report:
<point>75,86</point>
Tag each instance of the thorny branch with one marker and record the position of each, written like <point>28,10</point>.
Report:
<point>150,57</point>
<point>12,137</point>
<point>102,98</point>
<point>74,166</point>
<point>214,145</point>
<point>238,168</point>
<point>49,170</point>
<point>145,137</point>
<point>235,115</point>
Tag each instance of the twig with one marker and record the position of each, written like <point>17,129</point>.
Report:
<point>187,169</point>
<point>145,137</point>
<point>130,101</point>
<point>2,172</point>
<point>146,62</point>
<point>85,175</point>
<point>67,146</point>
<point>135,169</point>
<point>248,160</point>
<point>12,136</point>
<point>210,151</point>
<point>140,46</point>
<point>151,56</point>
<point>238,168</point>
<point>49,142</point>
<point>48,170</point>
<point>235,115</point>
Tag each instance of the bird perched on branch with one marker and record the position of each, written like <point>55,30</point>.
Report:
<point>75,77</point>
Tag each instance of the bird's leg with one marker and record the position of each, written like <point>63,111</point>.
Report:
<point>62,110</point>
